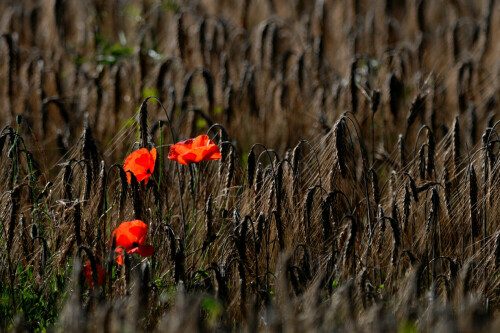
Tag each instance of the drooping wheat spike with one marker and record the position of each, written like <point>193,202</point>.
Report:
<point>295,159</point>
<point>374,186</point>
<point>413,187</point>
<point>209,86</point>
<point>186,90</point>
<point>243,287</point>
<point>279,186</point>
<point>472,122</point>
<point>279,229</point>
<point>456,146</point>
<point>447,190</point>
<point>421,162</point>
<point>401,151</point>
<point>67,180</point>
<point>3,137</point>
<point>240,234</point>
<point>143,291</point>
<point>380,217</point>
<point>396,92</point>
<point>261,221</point>
<point>89,148</point>
<point>466,275</point>
<point>251,167</point>
<point>181,37</point>
<point>210,233</point>
<point>489,155</point>
<point>143,124</point>
<point>88,181</point>
<point>300,71</point>
<point>202,40</point>
<point>259,178</point>
<point>118,90</point>
<point>433,212</point>
<point>248,89</point>
<point>464,82</point>
<point>353,87</point>
<point>230,168</point>
<point>362,281</point>
<point>123,192</point>
<point>229,100</point>
<point>473,203</point>
<point>224,70</point>
<point>77,222</point>
<point>375,101</point>
<point>270,203</point>
<point>340,146</point>
<point>319,50</point>
<point>25,239</point>
<point>431,148</point>
<point>101,191</point>
<point>497,251</point>
<point>396,234</point>
<point>325,217</point>
<point>486,139</point>
<point>179,262</point>
<point>417,107</point>
<point>296,155</point>
<point>225,149</point>
<point>308,202</point>
<point>14,209</point>
<point>351,241</point>
<point>406,208</point>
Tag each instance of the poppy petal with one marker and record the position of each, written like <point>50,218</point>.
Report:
<point>194,150</point>
<point>119,256</point>
<point>146,250</point>
<point>129,233</point>
<point>201,140</point>
<point>87,272</point>
<point>213,153</point>
<point>141,163</point>
<point>190,157</point>
<point>152,163</point>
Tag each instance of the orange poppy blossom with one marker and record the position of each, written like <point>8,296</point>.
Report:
<point>130,236</point>
<point>141,163</point>
<point>194,150</point>
<point>87,272</point>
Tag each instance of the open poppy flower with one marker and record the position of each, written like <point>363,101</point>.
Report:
<point>130,236</point>
<point>194,150</point>
<point>141,163</point>
<point>87,272</point>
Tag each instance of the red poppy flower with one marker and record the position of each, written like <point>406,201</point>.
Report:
<point>131,237</point>
<point>87,272</point>
<point>141,163</point>
<point>194,150</point>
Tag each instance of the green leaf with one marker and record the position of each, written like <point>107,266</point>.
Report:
<point>201,123</point>
<point>407,327</point>
<point>147,92</point>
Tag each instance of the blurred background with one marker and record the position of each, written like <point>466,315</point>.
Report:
<point>269,71</point>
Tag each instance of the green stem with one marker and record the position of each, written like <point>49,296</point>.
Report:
<point>14,158</point>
